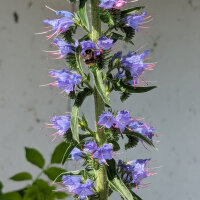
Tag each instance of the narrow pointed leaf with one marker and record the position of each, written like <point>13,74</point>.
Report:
<point>67,152</point>
<point>35,157</point>
<point>83,14</point>
<point>100,86</point>
<point>130,11</point>
<point>75,111</point>
<point>22,176</point>
<point>11,196</point>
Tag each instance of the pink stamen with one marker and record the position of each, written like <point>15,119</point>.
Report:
<point>43,32</point>
<point>50,8</point>
<point>50,36</point>
<point>145,26</point>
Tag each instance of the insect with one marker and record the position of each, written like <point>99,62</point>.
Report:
<point>90,58</point>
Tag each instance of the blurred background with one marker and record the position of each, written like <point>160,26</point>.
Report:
<point>173,108</point>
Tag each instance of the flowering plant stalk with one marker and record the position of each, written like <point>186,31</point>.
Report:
<point>106,72</point>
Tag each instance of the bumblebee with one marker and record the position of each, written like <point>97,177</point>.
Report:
<point>90,58</point>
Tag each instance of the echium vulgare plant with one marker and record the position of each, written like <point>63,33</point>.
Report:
<point>93,70</point>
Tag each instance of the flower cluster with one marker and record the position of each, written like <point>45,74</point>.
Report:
<point>75,186</point>
<point>66,79</point>
<point>60,25</point>
<point>112,4</point>
<point>123,120</point>
<point>61,124</point>
<point>134,171</point>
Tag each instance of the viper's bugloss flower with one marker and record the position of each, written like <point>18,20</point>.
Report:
<point>66,79</point>
<point>136,21</point>
<point>61,124</point>
<point>105,43</point>
<point>60,25</point>
<point>64,48</point>
<point>134,171</point>
<point>103,153</point>
<point>85,45</point>
<point>134,63</point>
<point>106,119</point>
<point>84,190</point>
<point>117,55</point>
<point>123,118</point>
<point>142,128</point>
<point>71,182</point>
<point>110,4</point>
<point>90,147</point>
<point>76,154</point>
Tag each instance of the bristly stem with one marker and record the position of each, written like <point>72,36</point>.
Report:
<point>102,179</point>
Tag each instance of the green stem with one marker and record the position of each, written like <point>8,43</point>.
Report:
<point>102,179</point>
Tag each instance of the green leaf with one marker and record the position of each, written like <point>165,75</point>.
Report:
<point>132,142</point>
<point>1,187</point>
<point>67,152</point>
<point>75,111</point>
<point>22,176</point>
<point>58,153</point>
<point>100,86</point>
<point>83,14</point>
<point>11,196</point>
<point>117,185</point>
<point>53,172</point>
<point>61,195</point>
<point>140,136</point>
<point>130,11</point>
<point>34,157</point>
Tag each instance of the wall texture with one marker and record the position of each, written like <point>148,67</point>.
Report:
<point>173,109</point>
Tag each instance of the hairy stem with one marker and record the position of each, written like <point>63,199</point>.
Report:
<point>102,179</point>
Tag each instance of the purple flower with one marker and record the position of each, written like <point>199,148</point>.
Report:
<point>135,64</point>
<point>106,119</point>
<point>123,119</point>
<point>120,4</point>
<point>60,25</point>
<point>86,45</point>
<point>142,128</point>
<point>117,55</point>
<point>65,79</point>
<point>64,48</point>
<point>76,154</point>
<point>60,123</point>
<point>103,153</point>
<point>84,190</point>
<point>71,182</point>
<point>107,4</point>
<point>90,147</point>
<point>135,21</point>
<point>105,43</point>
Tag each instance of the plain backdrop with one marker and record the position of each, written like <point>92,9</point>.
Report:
<point>173,108</point>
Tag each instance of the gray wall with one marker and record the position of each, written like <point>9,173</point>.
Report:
<point>173,109</point>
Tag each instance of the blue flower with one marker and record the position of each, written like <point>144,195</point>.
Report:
<point>142,128</point>
<point>84,190</point>
<point>85,45</point>
<point>103,153</point>
<point>107,4</point>
<point>117,55</point>
<point>65,79</point>
<point>135,64</point>
<point>122,119</point>
<point>60,25</point>
<point>71,182</point>
<point>106,119</point>
<point>64,48</point>
<point>120,4</point>
<point>105,43</point>
<point>76,154</point>
<point>135,21</point>
<point>90,147</point>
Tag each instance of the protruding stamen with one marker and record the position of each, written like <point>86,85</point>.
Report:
<point>51,9</point>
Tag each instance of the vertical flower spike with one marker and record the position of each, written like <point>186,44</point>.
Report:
<point>76,154</point>
<point>122,120</point>
<point>60,25</point>
<point>64,48</point>
<point>136,21</point>
<point>71,182</point>
<point>105,43</point>
<point>65,79</point>
<point>60,123</point>
<point>84,190</point>
<point>142,128</point>
<point>106,120</point>
<point>90,147</point>
<point>103,153</point>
